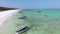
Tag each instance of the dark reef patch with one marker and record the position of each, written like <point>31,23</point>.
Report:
<point>38,11</point>
<point>24,17</point>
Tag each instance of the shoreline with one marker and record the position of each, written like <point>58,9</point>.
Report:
<point>8,14</point>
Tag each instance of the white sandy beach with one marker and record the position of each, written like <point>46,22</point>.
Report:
<point>6,15</point>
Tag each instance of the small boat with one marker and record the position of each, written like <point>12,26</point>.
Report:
<point>21,29</point>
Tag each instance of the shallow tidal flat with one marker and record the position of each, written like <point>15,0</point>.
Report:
<point>43,21</point>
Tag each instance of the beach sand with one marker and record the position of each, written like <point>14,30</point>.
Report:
<point>6,18</point>
<point>7,15</point>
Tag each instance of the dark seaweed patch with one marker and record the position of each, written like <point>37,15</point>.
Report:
<point>20,12</point>
<point>38,11</point>
<point>24,17</point>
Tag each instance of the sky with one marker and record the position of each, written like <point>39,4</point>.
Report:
<point>31,4</point>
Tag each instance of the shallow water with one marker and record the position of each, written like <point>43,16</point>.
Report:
<point>46,21</point>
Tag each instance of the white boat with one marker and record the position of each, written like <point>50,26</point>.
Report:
<point>22,29</point>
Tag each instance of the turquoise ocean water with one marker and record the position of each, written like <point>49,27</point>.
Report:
<point>44,21</point>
